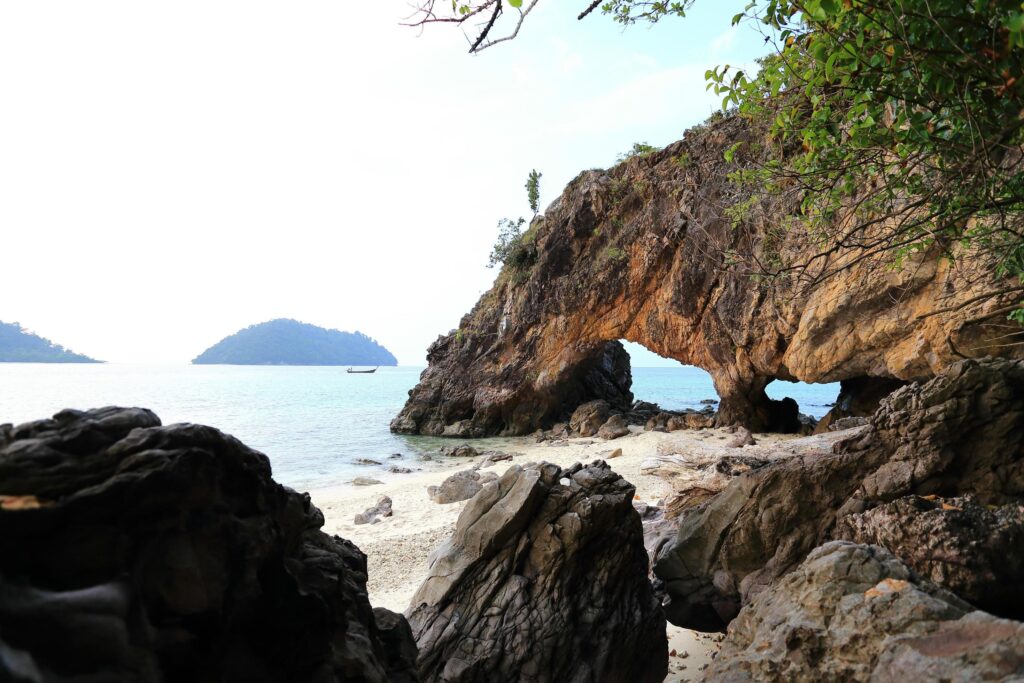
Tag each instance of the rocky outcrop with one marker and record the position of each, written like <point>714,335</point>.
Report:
<point>956,434</point>
<point>133,551</point>
<point>459,486</point>
<point>976,551</point>
<point>659,250</point>
<point>544,578</point>
<point>856,613</point>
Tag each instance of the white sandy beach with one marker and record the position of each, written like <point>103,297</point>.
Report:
<point>398,548</point>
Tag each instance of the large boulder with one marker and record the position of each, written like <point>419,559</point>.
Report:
<point>974,550</point>
<point>856,613</point>
<point>613,428</point>
<point>958,433</point>
<point>544,579</point>
<point>133,551</point>
<point>587,419</point>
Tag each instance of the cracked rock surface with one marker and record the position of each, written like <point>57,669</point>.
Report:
<point>544,579</point>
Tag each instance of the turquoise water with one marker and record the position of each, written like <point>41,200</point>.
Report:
<point>313,422</point>
<point>686,386</point>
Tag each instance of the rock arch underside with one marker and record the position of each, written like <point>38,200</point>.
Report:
<point>649,252</point>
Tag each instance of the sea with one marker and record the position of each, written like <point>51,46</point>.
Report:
<point>312,422</point>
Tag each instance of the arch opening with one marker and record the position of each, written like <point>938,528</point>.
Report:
<point>675,386</point>
<point>669,384</point>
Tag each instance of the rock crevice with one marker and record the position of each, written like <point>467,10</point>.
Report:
<point>544,579</point>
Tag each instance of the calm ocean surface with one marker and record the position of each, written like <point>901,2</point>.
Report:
<point>312,421</point>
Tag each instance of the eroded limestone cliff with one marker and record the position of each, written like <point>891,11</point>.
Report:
<point>654,251</point>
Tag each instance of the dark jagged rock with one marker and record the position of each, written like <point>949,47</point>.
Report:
<point>544,578</point>
<point>440,407</point>
<point>650,251</point>
<point>132,551</point>
<point>956,434</point>
<point>975,551</point>
<point>856,613</point>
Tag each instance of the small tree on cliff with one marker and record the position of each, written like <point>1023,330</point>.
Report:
<point>510,233</point>
<point>533,190</point>
<point>510,247</point>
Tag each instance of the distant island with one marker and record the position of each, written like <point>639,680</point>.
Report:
<point>18,345</point>
<point>290,342</point>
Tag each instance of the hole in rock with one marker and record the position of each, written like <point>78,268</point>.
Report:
<point>674,386</point>
<point>667,382</point>
<point>814,399</point>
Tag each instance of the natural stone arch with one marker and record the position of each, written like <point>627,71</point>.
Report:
<point>636,253</point>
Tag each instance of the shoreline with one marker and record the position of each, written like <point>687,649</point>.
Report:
<point>398,547</point>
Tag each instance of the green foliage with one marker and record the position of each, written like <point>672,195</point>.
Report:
<point>898,119</point>
<point>18,345</point>
<point>632,11</point>
<point>614,254</point>
<point>514,247</point>
<point>895,125</point>
<point>639,149</point>
<point>618,188</point>
<point>533,190</point>
<point>683,160</point>
<point>510,233</point>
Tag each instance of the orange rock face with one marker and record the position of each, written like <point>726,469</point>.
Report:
<point>650,252</point>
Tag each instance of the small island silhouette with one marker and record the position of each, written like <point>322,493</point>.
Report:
<point>290,342</point>
<point>18,345</point>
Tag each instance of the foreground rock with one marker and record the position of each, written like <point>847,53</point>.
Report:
<point>544,578</point>
<point>856,613</point>
<point>959,433</point>
<point>973,550</point>
<point>132,551</point>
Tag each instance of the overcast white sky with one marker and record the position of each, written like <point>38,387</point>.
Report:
<point>173,171</point>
